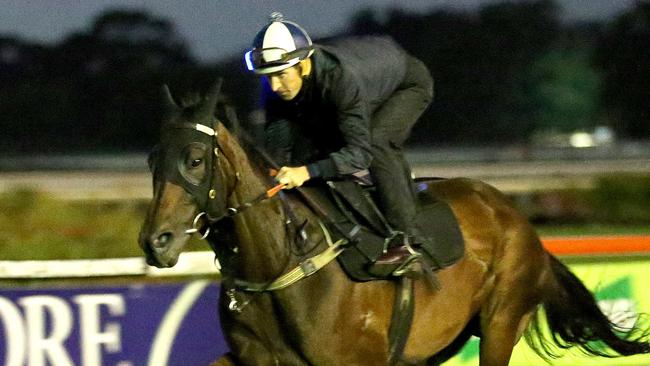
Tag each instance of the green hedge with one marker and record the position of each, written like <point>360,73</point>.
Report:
<point>621,198</point>
<point>35,226</point>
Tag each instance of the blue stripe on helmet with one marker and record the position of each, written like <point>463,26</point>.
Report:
<point>299,35</point>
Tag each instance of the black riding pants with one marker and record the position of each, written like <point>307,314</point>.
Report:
<point>390,126</point>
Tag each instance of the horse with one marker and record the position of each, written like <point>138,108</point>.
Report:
<point>209,181</point>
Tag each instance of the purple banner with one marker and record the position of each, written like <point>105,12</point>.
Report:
<point>133,325</point>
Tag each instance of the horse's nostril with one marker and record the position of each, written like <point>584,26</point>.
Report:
<point>162,240</point>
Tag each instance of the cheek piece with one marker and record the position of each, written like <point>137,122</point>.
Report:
<point>207,192</point>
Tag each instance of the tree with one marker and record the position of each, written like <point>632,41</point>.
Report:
<point>560,93</point>
<point>477,62</point>
<point>95,91</point>
<point>365,22</point>
<point>117,68</point>
<point>623,56</point>
<point>122,41</point>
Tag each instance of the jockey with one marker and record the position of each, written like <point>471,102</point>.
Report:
<point>341,110</point>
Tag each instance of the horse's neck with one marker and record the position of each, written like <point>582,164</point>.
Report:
<point>262,245</point>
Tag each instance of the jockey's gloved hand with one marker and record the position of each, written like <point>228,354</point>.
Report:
<point>292,177</point>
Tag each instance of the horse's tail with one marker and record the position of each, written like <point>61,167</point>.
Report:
<point>574,319</point>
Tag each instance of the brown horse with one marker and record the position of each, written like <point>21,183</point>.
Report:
<point>202,171</point>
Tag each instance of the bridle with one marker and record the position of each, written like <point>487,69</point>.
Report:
<point>230,212</point>
<point>202,222</point>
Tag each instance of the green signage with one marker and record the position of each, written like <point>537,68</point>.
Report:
<point>620,286</point>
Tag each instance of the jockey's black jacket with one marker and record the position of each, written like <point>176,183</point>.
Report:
<point>327,126</point>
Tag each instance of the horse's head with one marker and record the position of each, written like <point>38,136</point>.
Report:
<point>187,178</point>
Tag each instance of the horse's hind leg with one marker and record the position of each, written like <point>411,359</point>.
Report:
<point>500,334</point>
<point>225,360</point>
<point>514,298</point>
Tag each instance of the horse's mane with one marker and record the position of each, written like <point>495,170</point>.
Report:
<point>224,110</point>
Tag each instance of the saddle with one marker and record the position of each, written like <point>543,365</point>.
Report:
<point>352,213</point>
<point>351,208</point>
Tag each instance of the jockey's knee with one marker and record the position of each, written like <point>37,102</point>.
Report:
<point>422,79</point>
<point>381,149</point>
<point>385,146</point>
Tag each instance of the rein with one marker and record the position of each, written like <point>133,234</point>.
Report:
<point>304,269</point>
<point>230,212</point>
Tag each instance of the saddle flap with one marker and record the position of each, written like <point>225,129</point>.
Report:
<point>437,222</point>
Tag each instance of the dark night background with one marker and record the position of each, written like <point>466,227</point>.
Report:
<point>505,72</point>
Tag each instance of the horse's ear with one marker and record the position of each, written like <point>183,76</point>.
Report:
<point>209,103</point>
<point>170,105</point>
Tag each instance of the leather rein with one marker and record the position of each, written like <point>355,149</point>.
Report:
<point>306,268</point>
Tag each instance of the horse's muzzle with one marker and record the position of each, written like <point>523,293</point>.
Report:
<point>157,249</point>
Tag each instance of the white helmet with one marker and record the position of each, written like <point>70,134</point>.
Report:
<point>279,45</point>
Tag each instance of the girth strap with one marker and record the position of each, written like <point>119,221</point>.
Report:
<point>400,323</point>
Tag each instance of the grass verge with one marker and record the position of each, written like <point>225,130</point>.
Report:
<point>34,226</point>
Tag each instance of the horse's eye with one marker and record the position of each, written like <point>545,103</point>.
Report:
<point>192,164</point>
<point>196,163</point>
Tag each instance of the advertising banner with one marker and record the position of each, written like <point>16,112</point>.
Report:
<point>132,325</point>
<point>147,324</point>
